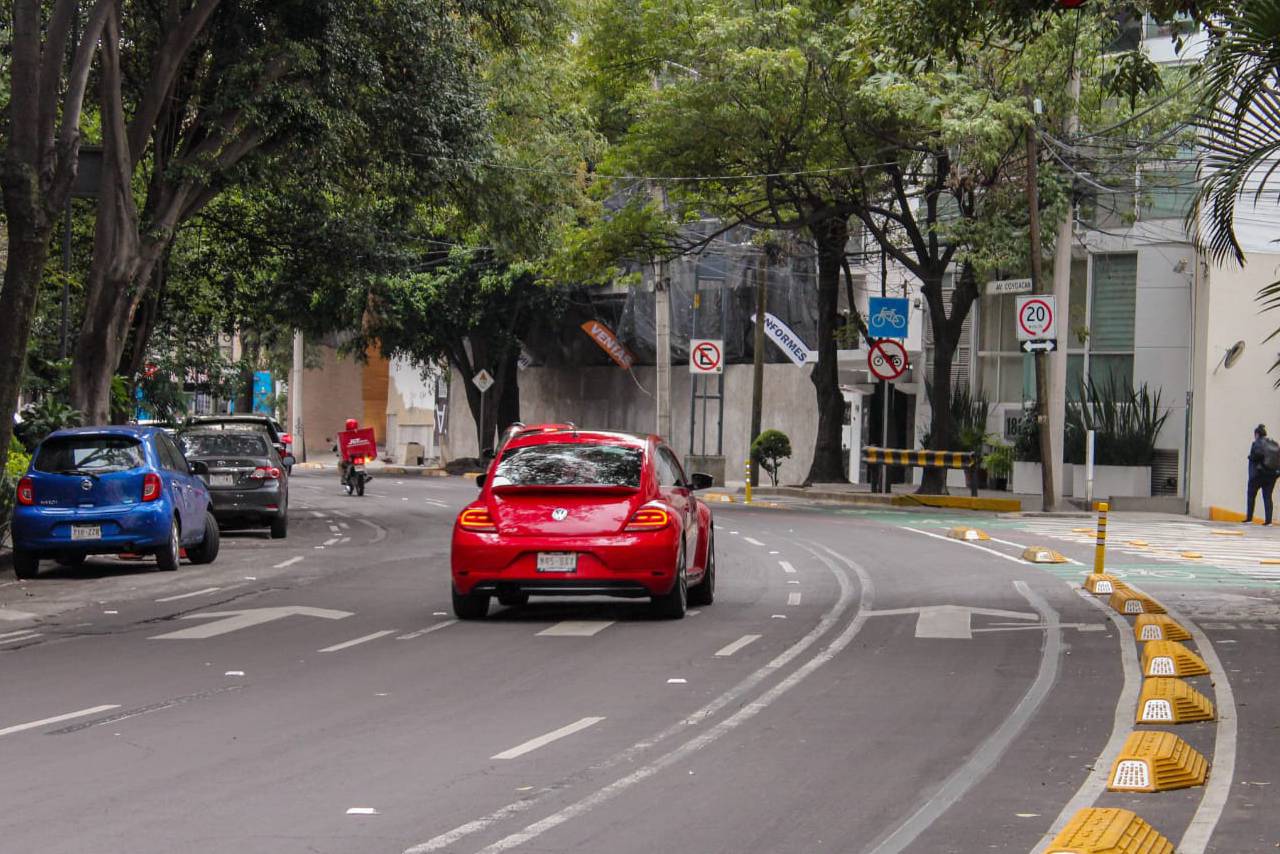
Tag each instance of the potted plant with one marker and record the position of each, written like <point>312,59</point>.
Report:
<point>769,450</point>
<point>1126,423</point>
<point>998,464</point>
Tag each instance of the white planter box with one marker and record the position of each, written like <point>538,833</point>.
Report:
<point>1026,479</point>
<point>1111,481</point>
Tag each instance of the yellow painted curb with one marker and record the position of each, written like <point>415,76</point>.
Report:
<point>1108,831</point>
<point>1269,561</point>
<point>722,497</point>
<point>969,535</point>
<point>1040,554</point>
<point>1131,602</point>
<point>1170,658</point>
<point>1221,514</point>
<point>1221,533</point>
<point>1157,627</point>
<point>470,475</point>
<point>959,502</point>
<point>1157,762</point>
<point>1172,701</point>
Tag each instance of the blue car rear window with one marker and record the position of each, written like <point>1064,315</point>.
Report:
<point>89,454</point>
<point>569,465</point>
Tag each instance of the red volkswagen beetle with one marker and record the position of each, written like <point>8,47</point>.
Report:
<point>568,512</point>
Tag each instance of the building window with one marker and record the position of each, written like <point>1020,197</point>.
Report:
<point>1166,189</point>
<point>1113,304</point>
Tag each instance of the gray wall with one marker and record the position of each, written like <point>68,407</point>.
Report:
<point>612,399</point>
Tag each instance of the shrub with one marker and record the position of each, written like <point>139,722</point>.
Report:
<point>999,462</point>
<point>769,450</point>
<point>14,469</point>
<point>1126,423</point>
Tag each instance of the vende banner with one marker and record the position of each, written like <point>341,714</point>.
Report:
<point>609,342</point>
<point>789,342</point>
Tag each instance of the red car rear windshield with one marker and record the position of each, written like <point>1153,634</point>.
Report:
<point>570,465</point>
<point>89,454</point>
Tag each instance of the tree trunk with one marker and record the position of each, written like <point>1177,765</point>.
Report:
<point>828,456</point>
<point>934,480</point>
<point>27,256</point>
<point>507,409</point>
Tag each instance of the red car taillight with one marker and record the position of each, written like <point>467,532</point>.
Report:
<point>26,492</point>
<point>150,486</point>
<point>649,519</point>
<point>266,473</point>
<point>477,519</point>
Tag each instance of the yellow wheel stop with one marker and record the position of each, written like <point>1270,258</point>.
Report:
<point>1128,601</point>
<point>1172,701</point>
<point>1154,627</point>
<point>1108,831</point>
<point>1170,658</point>
<point>1040,554</point>
<point>1157,762</point>
<point>967,534</point>
<point>1102,583</point>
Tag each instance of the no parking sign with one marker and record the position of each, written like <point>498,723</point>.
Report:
<point>706,356</point>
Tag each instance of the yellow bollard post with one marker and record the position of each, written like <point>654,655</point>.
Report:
<point>1100,550</point>
<point>748,481</point>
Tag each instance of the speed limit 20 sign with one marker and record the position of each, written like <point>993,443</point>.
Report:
<point>1037,318</point>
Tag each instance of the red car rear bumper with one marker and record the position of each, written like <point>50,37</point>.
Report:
<point>618,565</point>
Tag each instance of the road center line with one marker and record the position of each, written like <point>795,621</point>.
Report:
<point>630,755</point>
<point>331,541</point>
<point>730,649</point>
<point>576,628</point>
<point>752,540</point>
<point>786,567</point>
<point>543,740</point>
<point>18,637</point>
<point>359,640</point>
<point>290,562</point>
<point>189,595</point>
<point>708,736</point>
<point>56,719</point>
<point>443,624</point>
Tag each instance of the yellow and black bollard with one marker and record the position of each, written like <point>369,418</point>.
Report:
<point>748,481</point>
<point>1099,582</point>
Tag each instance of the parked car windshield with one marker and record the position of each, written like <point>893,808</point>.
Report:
<point>89,454</point>
<point>569,465</point>
<point>227,444</point>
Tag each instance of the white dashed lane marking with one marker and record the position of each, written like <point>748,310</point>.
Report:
<point>189,595</point>
<point>730,649</point>
<point>290,562</point>
<point>428,630</point>
<point>786,567</point>
<point>543,740</point>
<point>359,640</point>
<point>753,541</point>
<point>57,719</point>
<point>576,628</point>
<point>793,598</point>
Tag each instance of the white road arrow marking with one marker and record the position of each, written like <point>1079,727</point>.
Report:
<point>950,621</point>
<point>232,621</point>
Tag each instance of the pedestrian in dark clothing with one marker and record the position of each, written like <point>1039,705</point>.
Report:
<point>1264,468</point>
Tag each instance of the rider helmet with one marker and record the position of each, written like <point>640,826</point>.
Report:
<point>352,424</point>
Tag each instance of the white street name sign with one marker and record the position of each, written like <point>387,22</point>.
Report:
<point>1009,286</point>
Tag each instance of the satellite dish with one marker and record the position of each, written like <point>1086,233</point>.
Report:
<point>1234,352</point>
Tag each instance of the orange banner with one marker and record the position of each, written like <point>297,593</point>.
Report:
<point>609,342</point>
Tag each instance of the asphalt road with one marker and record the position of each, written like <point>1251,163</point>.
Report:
<point>315,694</point>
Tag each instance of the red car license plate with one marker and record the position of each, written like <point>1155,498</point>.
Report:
<point>558,562</point>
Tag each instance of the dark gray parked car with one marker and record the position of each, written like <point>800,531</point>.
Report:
<point>247,479</point>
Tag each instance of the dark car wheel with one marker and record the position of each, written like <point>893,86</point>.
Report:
<point>280,525</point>
<point>672,605</point>
<point>25,563</point>
<point>705,592</point>
<point>71,561</point>
<point>470,606</point>
<point>207,551</point>
<point>168,555</point>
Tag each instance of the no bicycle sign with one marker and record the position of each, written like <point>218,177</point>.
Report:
<point>888,359</point>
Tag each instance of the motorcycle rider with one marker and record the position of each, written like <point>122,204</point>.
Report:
<point>344,464</point>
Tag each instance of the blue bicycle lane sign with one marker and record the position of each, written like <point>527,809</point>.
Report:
<point>887,317</point>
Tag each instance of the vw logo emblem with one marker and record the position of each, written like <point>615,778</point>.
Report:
<point>559,514</point>
<point>86,484</point>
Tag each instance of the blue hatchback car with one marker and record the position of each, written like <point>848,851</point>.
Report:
<point>105,490</point>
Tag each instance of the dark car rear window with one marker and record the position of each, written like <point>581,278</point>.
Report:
<point>569,465</point>
<point>223,444</point>
<point>95,454</point>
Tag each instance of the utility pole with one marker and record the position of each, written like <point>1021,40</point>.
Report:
<point>1057,408</point>
<point>757,377</point>
<point>662,327</point>
<point>1042,359</point>
<point>295,399</point>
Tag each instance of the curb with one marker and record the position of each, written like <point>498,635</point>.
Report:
<point>866,499</point>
